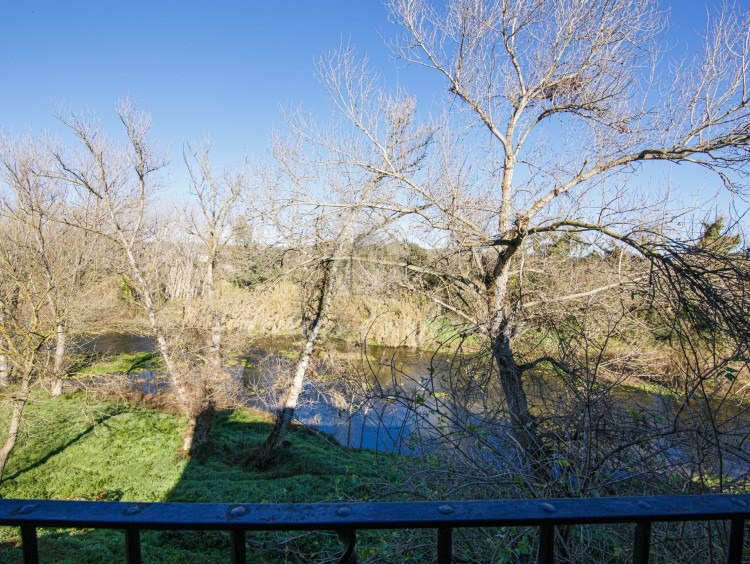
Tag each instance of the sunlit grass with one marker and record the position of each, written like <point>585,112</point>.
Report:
<point>122,363</point>
<point>75,447</point>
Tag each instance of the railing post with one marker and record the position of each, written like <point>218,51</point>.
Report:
<point>736,541</point>
<point>642,543</point>
<point>639,512</point>
<point>546,544</point>
<point>29,543</point>
<point>348,538</point>
<point>445,545</point>
<point>132,545</point>
<point>239,548</point>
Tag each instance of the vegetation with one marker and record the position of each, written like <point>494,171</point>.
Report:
<point>121,364</point>
<point>61,454</point>
<point>75,447</point>
<point>514,234</point>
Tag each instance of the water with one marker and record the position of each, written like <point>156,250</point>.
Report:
<point>377,408</point>
<point>362,412</point>
<point>116,343</point>
<point>390,424</point>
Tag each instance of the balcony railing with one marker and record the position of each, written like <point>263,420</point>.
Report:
<point>347,518</point>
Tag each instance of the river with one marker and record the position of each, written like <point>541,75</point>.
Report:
<point>395,399</point>
<point>375,424</point>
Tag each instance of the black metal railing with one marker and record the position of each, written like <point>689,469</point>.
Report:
<point>347,518</point>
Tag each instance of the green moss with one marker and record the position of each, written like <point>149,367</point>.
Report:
<point>290,354</point>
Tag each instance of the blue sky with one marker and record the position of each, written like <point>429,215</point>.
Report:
<point>219,69</point>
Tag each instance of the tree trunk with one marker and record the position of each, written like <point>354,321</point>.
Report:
<point>523,423</point>
<point>161,341</point>
<point>57,388</point>
<point>215,345</point>
<point>57,367</point>
<point>19,403</point>
<point>4,371</point>
<point>286,413</point>
<point>198,429</point>
<point>186,397</point>
<point>199,425</point>
<point>4,364</point>
<point>189,397</point>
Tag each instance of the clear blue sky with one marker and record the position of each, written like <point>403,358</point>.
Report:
<point>218,68</point>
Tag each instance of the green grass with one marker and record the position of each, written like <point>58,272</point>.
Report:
<point>309,470</point>
<point>122,363</point>
<point>74,447</point>
<point>635,385</point>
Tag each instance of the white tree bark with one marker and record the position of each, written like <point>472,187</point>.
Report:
<point>291,399</point>
<point>18,400</point>
<point>59,360</point>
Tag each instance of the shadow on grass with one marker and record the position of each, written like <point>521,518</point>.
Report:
<point>142,361</point>
<point>57,450</point>
<point>309,470</point>
<point>96,364</point>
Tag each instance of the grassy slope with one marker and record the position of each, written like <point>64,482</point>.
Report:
<point>77,448</point>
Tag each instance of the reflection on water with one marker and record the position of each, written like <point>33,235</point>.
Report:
<point>390,409</point>
<point>149,382</point>
<point>380,424</point>
<point>367,414</point>
<point>116,343</point>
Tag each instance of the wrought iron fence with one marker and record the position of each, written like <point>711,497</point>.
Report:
<point>347,519</point>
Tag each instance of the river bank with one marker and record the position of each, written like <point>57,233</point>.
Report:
<point>399,399</point>
<point>76,447</point>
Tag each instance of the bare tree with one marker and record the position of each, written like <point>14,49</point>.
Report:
<point>24,328</point>
<point>210,220</point>
<point>119,183</point>
<point>217,197</point>
<point>318,209</point>
<point>64,254</point>
<point>554,110</point>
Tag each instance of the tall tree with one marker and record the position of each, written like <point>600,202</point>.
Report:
<point>318,209</point>
<point>216,197</point>
<point>26,322</point>
<point>64,254</point>
<point>554,111</point>
<point>209,220</point>
<point>118,184</point>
